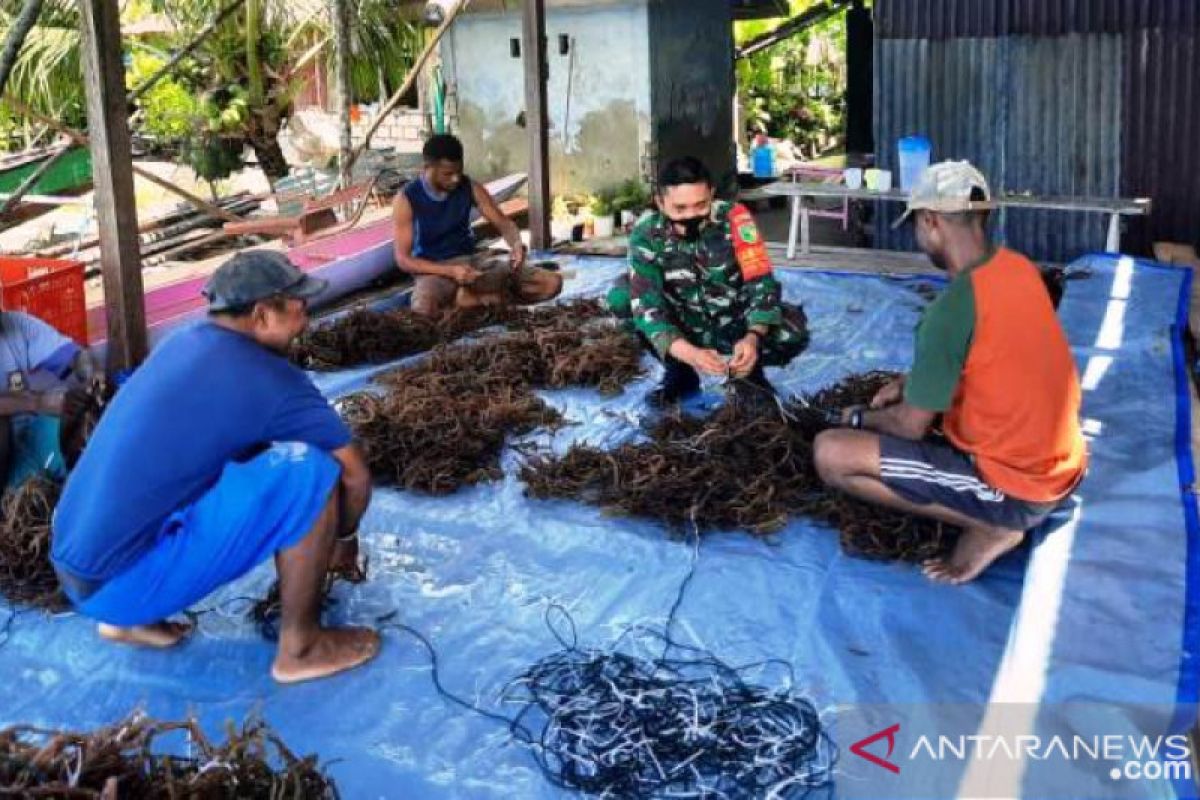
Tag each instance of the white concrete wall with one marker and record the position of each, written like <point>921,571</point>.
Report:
<point>404,129</point>
<point>602,140</point>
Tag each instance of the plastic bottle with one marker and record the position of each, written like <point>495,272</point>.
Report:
<point>915,153</point>
<point>762,158</point>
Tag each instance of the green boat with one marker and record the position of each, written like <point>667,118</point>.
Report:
<point>70,174</point>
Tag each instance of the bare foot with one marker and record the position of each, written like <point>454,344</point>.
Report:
<point>160,634</point>
<point>975,551</point>
<point>333,650</point>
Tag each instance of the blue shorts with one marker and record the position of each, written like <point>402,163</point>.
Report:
<point>928,471</point>
<point>255,509</point>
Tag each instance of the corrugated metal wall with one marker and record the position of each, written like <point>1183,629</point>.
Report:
<point>945,19</point>
<point>1035,114</point>
<point>1054,97</point>
<point>1161,133</point>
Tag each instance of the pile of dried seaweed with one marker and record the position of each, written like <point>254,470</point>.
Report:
<point>435,433</point>
<point>738,468</point>
<point>442,423</point>
<point>377,337</point>
<point>26,575</point>
<point>119,762</point>
<point>364,337</point>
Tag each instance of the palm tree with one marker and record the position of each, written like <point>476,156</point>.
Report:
<point>46,74</point>
<point>248,70</point>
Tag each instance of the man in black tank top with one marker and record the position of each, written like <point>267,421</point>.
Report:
<point>435,245</point>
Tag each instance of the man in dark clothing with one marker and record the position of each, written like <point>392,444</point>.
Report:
<point>700,288</point>
<point>435,244</point>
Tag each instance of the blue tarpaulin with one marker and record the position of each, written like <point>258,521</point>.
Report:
<point>1100,609</point>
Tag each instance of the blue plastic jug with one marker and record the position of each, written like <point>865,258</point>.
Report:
<point>915,152</point>
<point>763,159</point>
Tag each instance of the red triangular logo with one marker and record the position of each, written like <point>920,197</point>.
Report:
<point>859,748</point>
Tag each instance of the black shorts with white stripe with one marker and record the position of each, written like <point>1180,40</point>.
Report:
<point>928,471</point>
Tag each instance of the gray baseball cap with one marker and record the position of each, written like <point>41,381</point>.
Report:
<point>946,188</point>
<point>254,275</point>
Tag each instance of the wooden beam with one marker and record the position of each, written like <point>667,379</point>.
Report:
<point>112,171</point>
<point>537,73</point>
<point>394,101</point>
<point>341,12</point>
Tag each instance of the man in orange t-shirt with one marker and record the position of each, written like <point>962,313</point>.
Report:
<point>993,361</point>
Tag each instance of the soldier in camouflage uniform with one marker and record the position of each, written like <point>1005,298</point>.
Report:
<point>700,288</point>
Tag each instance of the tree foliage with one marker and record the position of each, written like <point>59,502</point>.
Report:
<point>236,89</point>
<point>796,89</point>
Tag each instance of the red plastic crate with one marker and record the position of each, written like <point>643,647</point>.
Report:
<point>49,289</point>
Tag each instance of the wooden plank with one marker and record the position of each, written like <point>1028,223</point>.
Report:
<point>853,259</point>
<point>514,209</point>
<point>537,74</point>
<point>232,202</point>
<point>48,199</point>
<point>112,169</point>
<point>1108,205</point>
<point>342,14</point>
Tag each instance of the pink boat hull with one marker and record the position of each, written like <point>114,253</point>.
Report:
<point>349,261</point>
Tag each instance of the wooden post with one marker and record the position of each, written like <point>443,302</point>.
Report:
<point>340,11</point>
<point>112,171</point>
<point>537,73</point>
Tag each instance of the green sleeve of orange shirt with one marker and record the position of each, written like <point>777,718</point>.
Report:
<point>943,342</point>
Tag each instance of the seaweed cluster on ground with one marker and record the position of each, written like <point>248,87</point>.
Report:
<point>136,759</point>
<point>363,336</point>
<point>742,467</point>
<point>26,574</point>
<point>442,423</point>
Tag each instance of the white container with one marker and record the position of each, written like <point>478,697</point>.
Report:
<point>853,176</point>
<point>885,180</point>
<point>915,152</point>
<point>561,228</point>
<point>603,227</point>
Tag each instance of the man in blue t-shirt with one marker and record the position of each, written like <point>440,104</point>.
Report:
<point>46,376</point>
<point>217,454</point>
<point>434,242</point>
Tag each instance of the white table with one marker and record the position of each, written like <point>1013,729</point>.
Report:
<point>1115,207</point>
